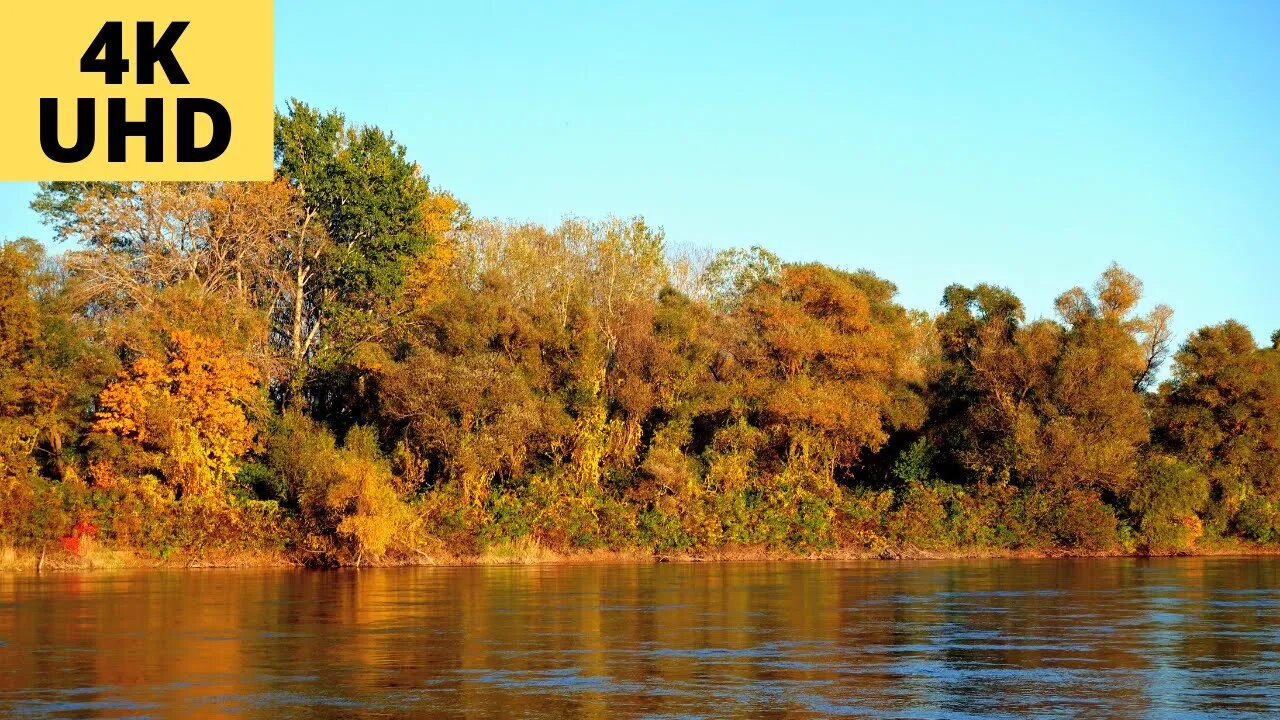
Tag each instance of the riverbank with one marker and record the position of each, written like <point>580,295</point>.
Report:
<point>530,553</point>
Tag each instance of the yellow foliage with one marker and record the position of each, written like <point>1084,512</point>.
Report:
<point>427,280</point>
<point>442,213</point>
<point>363,487</point>
<point>428,275</point>
<point>189,410</point>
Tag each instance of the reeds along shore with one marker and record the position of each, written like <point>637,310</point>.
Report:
<point>344,367</point>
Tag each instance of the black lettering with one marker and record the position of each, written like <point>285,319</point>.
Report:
<point>119,130</point>
<point>187,109</point>
<point>49,143</point>
<point>151,52</point>
<point>109,43</point>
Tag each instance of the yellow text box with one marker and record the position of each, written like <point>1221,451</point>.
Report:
<point>225,53</point>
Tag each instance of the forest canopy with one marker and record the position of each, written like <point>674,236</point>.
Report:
<point>344,366</point>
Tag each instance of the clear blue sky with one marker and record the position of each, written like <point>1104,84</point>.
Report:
<point>1026,144</point>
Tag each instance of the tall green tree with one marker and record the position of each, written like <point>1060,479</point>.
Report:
<point>1220,411</point>
<point>365,191</point>
<point>369,199</point>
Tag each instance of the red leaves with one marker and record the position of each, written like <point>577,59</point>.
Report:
<point>74,542</point>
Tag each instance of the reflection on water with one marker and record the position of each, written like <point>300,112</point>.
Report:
<point>982,639</point>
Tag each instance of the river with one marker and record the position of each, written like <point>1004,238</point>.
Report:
<point>1113,638</point>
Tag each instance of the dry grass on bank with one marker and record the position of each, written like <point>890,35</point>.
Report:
<point>531,552</point>
<point>100,558</point>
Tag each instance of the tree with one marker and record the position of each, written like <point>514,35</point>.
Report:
<point>826,364</point>
<point>19,338</point>
<point>187,414</point>
<point>732,273</point>
<point>1051,404</point>
<point>364,191</point>
<point>1053,408</point>
<point>292,251</point>
<point>379,213</point>
<point>48,368</point>
<point>514,362</point>
<point>48,374</point>
<point>1220,411</point>
<point>59,203</point>
<point>1093,426</point>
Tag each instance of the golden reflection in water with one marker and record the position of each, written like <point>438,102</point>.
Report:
<point>1103,638</point>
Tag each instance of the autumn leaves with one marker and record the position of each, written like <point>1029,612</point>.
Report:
<point>186,411</point>
<point>345,365</point>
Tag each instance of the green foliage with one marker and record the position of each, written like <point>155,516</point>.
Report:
<point>59,204</point>
<point>1221,412</point>
<point>365,191</point>
<point>1259,519</point>
<point>733,273</point>
<point>915,464</point>
<point>1168,500</point>
<point>258,481</point>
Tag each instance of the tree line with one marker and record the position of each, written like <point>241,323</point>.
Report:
<point>344,365</point>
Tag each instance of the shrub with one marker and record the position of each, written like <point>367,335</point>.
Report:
<point>920,518</point>
<point>1166,501</point>
<point>259,481</point>
<point>33,509</point>
<point>1081,519</point>
<point>861,518</point>
<point>915,462</point>
<point>1259,519</point>
<point>347,495</point>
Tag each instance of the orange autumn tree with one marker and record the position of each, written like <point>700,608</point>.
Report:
<point>187,414</point>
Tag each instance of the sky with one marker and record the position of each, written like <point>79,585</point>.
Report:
<point>1024,144</point>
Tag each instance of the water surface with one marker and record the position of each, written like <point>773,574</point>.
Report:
<point>1170,638</point>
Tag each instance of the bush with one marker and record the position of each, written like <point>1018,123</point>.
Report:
<point>207,525</point>
<point>1082,520</point>
<point>1259,519</point>
<point>861,518</point>
<point>915,463</point>
<point>920,518</point>
<point>1039,517</point>
<point>346,495</point>
<point>33,510</point>
<point>260,482</point>
<point>1167,501</point>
